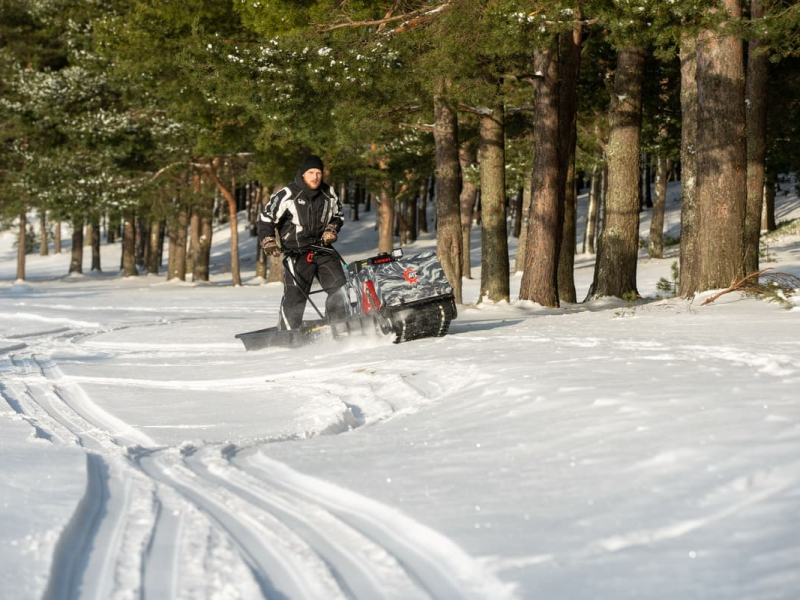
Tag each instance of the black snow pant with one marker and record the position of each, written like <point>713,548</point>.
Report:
<point>297,279</point>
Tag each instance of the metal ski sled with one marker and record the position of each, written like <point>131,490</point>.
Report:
<point>407,298</point>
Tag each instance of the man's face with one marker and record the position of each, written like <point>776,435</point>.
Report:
<point>312,178</point>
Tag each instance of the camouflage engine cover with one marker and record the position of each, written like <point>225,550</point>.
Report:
<point>407,280</point>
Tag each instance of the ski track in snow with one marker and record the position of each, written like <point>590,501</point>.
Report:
<point>213,521</point>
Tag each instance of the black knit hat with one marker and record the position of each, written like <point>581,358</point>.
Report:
<point>312,161</point>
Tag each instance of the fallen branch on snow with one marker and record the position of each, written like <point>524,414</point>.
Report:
<point>762,283</point>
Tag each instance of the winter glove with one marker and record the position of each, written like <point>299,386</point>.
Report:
<point>270,246</point>
<point>329,235</point>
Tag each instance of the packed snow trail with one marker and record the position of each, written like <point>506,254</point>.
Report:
<point>117,497</point>
<point>441,567</point>
<point>204,520</point>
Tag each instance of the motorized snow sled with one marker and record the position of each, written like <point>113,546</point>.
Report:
<point>387,294</point>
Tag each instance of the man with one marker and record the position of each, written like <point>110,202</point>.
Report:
<point>304,213</point>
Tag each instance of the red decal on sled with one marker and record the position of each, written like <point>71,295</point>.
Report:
<point>369,299</point>
<point>410,275</point>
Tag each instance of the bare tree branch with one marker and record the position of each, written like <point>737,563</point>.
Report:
<point>163,170</point>
<point>414,14</point>
<point>738,286</point>
<point>419,127</point>
<point>481,112</point>
<point>389,14</point>
<point>404,109</point>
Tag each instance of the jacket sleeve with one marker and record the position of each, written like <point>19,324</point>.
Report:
<point>337,212</point>
<point>271,213</point>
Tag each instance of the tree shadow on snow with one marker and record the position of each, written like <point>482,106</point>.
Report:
<point>457,327</point>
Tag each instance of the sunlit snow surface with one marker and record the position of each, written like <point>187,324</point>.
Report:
<point>600,450</point>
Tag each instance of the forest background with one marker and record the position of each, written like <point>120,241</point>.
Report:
<point>148,121</point>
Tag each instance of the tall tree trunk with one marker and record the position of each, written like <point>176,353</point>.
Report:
<point>618,247</point>
<point>275,263</point>
<point>756,115</point>
<point>94,242</point>
<point>274,269</point>
<point>569,62</point>
<point>57,238</point>
<point>401,225</point>
<point>231,202</point>
<point>144,244</point>
<point>768,221</point>
<point>43,249</point>
<point>201,265</point>
<point>261,263</point>
<point>690,212</point>
<point>448,178</point>
<point>494,233</point>
<point>602,199</point>
<point>422,209</point>
<point>647,191</point>
<point>519,201</point>
<point>411,217</point>
<point>591,212</point>
<point>655,245</point>
<point>261,258</point>
<point>193,264</point>
<point>153,254</point>
<point>162,238</point>
<point>253,205</point>
<point>140,243</point>
<point>206,239</point>
<point>129,245</point>
<point>113,227</point>
<point>527,201</point>
<point>400,228</point>
<point>172,251</point>
<point>76,257</point>
<point>566,259</point>
<point>721,156</point>
<point>193,241</point>
<point>469,192</point>
<point>22,244</point>
<point>386,209</point>
<point>545,227</point>
<point>177,245</point>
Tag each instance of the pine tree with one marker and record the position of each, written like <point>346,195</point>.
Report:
<point>756,91</point>
<point>689,263</point>
<point>540,275</point>
<point>721,154</point>
<point>617,252</point>
<point>569,61</point>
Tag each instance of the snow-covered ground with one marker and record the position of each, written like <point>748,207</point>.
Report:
<point>602,450</point>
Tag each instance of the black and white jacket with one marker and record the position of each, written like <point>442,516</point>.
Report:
<point>298,215</point>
